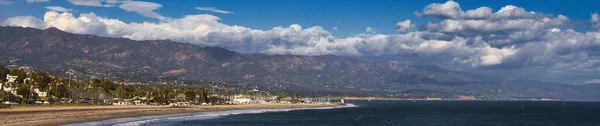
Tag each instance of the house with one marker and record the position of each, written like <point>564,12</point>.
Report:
<point>40,93</point>
<point>11,90</point>
<point>11,79</point>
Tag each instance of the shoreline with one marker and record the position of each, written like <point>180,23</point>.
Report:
<point>78,114</point>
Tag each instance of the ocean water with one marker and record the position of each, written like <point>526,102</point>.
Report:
<point>401,113</point>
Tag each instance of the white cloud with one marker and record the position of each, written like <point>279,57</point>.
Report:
<point>595,18</point>
<point>5,2</point>
<point>58,8</point>
<point>479,13</point>
<point>594,81</point>
<point>37,1</point>
<point>512,12</point>
<point>509,25</point>
<point>96,3</point>
<point>213,9</point>
<point>555,30</point>
<point>370,30</point>
<point>25,21</point>
<point>145,9</point>
<point>404,26</point>
<point>450,9</point>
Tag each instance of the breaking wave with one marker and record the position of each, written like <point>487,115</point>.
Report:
<point>134,121</point>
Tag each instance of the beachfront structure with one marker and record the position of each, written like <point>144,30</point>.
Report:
<point>240,99</point>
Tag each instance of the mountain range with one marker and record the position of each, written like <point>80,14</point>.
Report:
<point>58,51</point>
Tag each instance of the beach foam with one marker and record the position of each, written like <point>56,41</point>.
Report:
<point>134,121</point>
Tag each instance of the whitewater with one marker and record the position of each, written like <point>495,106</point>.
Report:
<point>136,121</point>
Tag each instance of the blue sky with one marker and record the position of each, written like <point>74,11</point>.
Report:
<point>349,16</point>
<point>550,40</point>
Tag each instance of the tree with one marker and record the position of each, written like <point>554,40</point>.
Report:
<point>122,92</point>
<point>6,96</point>
<point>203,95</point>
<point>190,94</point>
<point>280,97</point>
<point>20,73</point>
<point>298,96</point>
<point>3,72</point>
<point>59,91</point>
<point>107,85</point>
<point>23,90</point>
<point>41,80</point>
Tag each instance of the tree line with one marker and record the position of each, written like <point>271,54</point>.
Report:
<point>58,89</point>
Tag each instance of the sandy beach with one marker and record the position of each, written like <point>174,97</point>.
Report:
<point>47,116</point>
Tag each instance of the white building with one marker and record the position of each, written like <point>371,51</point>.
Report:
<point>40,93</point>
<point>241,99</point>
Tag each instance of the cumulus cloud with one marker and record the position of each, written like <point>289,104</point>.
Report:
<point>213,9</point>
<point>145,9</point>
<point>404,26</point>
<point>5,2</point>
<point>58,8</point>
<point>25,21</point>
<point>507,26</point>
<point>595,20</point>
<point>370,30</point>
<point>452,10</point>
<point>479,13</point>
<point>511,38</point>
<point>37,1</point>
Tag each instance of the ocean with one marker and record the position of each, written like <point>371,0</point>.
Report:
<point>382,113</point>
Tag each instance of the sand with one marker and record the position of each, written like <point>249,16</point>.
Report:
<point>49,116</point>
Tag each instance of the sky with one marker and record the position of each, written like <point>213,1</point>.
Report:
<point>550,40</point>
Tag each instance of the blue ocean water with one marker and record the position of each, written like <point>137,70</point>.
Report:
<point>405,113</point>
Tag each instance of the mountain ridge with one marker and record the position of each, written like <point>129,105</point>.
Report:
<point>58,51</point>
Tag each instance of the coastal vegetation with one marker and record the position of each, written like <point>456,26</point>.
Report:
<point>29,87</point>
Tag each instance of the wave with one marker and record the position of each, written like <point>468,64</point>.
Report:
<point>135,121</point>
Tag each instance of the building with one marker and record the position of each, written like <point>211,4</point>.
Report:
<point>40,93</point>
<point>241,99</point>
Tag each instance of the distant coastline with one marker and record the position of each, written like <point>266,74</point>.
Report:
<point>77,114</point>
